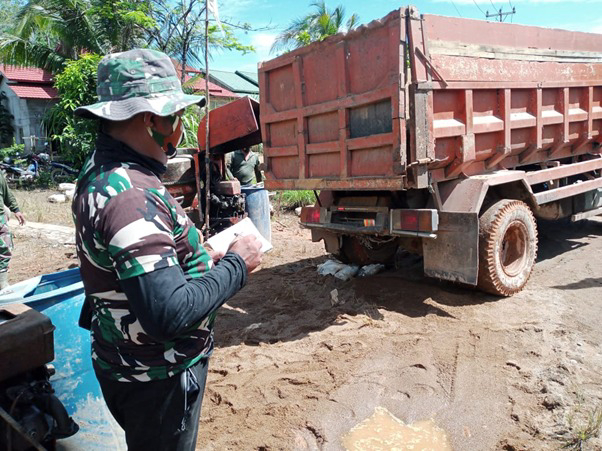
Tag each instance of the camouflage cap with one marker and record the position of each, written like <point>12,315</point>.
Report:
<point>137,81</point>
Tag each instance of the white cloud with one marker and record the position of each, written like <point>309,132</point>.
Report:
<point>592,26</point>
<point>262,42</point>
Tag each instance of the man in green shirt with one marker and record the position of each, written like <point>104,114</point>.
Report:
<point>8,200</point>
<point>243,165</point>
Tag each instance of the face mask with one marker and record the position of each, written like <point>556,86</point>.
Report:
<point>169,143</point>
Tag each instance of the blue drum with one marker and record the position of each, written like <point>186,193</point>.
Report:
<point>257,206</point>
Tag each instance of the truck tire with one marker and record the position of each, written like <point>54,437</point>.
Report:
<point>507,247</point>
<point>357,251</point>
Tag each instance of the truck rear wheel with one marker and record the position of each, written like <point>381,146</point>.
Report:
<point>363,251</point>
<point>507,247</point>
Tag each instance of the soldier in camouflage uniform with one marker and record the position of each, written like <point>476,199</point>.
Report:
<point>7,200</point>
<point>152,290</point>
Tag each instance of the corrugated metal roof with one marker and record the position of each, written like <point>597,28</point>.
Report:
<point>26,74</point>
<point>24,91</point>
<point>253,77</point>
<point>214,90</point>
<point>233,82</point>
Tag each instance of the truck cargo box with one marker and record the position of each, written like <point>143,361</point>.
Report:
<point>413,99</point>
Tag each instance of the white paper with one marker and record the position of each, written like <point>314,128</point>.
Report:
<point>221,241</point>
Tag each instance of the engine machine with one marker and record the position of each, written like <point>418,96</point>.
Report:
<point>232,127</point>
<point>31,416</point>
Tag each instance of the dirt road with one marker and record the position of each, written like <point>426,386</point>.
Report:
<point>292,371</point>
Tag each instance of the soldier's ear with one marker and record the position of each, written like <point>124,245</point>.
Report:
<point>148,119</point>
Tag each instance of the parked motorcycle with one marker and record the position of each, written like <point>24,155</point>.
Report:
<point>14,173</point>
<point>59,172</point>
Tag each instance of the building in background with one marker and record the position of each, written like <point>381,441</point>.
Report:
<point>238,82</point>
<point>219,94</point>
<point>29,95</point>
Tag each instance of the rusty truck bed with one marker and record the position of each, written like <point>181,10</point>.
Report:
<point>350,113</point>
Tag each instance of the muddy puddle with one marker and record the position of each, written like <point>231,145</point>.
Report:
<point>383,431</point>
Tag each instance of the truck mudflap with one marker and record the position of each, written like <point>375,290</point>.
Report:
<point>454,255</point>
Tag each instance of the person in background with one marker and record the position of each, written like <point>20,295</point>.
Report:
<point>244,166</point>
<point>6,242</point>
<point>152,290</point>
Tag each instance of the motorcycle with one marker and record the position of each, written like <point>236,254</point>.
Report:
<point>59,172</point>
<point>14,173</point>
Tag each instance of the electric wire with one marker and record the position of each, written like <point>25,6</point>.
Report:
<point>477,5</point>
<point>453,3</point>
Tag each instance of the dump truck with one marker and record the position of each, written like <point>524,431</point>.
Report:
<point>447,137</point>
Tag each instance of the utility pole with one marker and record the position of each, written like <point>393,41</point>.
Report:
<point>501,14</point>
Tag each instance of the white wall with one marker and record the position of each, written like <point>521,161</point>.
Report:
<point>27,116</point>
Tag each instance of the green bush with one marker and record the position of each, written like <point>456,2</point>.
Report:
<point>190,125</point>
<point>76,85</point>
<point>11,151</point>
<point>289,200</point>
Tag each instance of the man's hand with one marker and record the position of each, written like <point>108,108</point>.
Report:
<point>20,217</point>
<point>215,255</point>
<point>248,247</point>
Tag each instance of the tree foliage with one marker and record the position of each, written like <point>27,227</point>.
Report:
<point>8,12</point>
<point>76,85</point>
<point>317,25</point>
<point>66,37</point>
<point>180,32</point>
<point>49,33</point>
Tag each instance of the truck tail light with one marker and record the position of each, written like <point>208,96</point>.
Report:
<point>414,222</point>
<point>310,215</point>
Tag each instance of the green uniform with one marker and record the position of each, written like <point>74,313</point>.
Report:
<point>151,298</point>
<point>9,201</point>
<point>245,170</point>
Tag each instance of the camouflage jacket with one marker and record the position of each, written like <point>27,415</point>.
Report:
<point>131,233</point>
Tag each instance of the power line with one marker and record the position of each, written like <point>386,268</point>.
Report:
<point>456,8</point>
<point>494,7</point>
<point>477,5</point>
<point>501,14</point>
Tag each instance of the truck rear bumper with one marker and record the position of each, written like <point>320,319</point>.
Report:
<point>381,221</point>
<point>450,250</point>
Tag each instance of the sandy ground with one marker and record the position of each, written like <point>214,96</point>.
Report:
<point>292,371</point>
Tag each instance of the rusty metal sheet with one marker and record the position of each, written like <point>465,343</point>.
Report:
<point>467,194</point>
<point>369,184</point>
<point>482,97</point>
<point>566,170</point>
<point>454,254</point>
<point>471,31</point>
<point>503,95</point>
<point>232,126</point>
<point>337,107</point>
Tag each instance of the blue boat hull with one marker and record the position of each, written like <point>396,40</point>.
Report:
<point>60,296</point>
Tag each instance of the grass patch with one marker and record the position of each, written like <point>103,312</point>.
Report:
<point>289,200</point>
<point>584,424</point>
<point>34,204</point>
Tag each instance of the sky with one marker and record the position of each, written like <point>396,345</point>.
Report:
<point>270,17</point>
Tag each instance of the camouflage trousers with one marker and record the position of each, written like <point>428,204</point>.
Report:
<point>5,247</point>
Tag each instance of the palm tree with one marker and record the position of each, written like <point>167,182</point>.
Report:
<point>315,26</point>
<point>48,33</point>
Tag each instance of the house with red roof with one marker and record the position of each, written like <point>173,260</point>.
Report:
<point>29,95</point>
<point>192,78</point>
